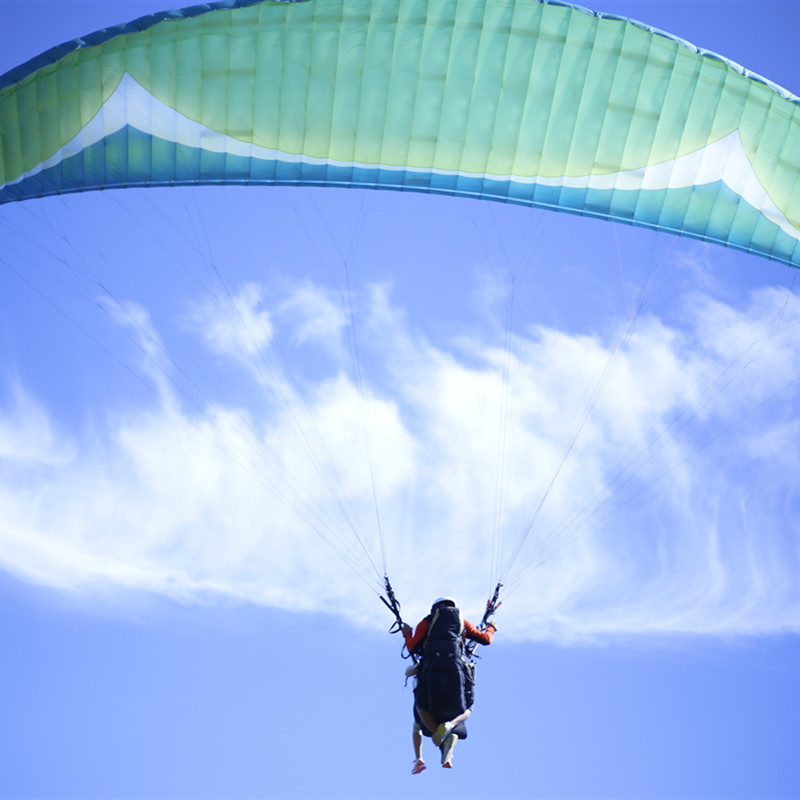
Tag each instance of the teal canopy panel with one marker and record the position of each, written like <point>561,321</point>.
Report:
<point>539,103</point>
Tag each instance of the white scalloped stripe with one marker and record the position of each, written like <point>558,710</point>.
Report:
<point>132,105</point>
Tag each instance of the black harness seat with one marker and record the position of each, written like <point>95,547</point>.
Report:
<point>446,675</point>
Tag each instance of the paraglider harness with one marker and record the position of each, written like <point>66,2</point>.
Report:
<point>446,674</point>
<point>444,668</point>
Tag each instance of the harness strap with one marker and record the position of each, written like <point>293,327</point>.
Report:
<point>492,604</point>
<point>393,604</point>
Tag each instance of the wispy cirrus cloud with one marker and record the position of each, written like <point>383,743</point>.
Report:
<point>667,497</point>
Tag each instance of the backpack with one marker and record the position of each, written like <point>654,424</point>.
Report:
<point>447,674</point>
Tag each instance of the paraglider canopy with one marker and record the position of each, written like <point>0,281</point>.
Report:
<point>541,104</point>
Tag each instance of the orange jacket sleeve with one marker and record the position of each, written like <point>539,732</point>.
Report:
<point>484,637</point>
<point>412,640</point>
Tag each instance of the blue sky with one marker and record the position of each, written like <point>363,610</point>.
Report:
<point>195,383</point>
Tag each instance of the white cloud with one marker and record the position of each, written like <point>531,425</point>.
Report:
<point>224,502</point>
<point>28,436</point>
<point>236,326</point>
<point>153,359</point>
<point>318,316</point>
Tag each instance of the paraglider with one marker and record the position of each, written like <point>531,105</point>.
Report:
<point>537,104</point>
<point>445,687</point>
<point>442,647</point>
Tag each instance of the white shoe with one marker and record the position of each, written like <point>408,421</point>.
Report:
<point>447,750</point>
